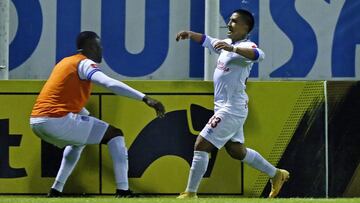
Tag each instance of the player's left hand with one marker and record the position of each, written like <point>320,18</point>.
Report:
<point>158,106</point>
<point>223,45</point>
<point>182,35</point>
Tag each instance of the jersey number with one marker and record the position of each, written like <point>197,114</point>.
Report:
<point>214,121</point>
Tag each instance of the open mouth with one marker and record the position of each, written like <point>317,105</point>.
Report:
<point>230,30</point>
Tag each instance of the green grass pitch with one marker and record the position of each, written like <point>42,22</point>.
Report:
<point>109,199</point>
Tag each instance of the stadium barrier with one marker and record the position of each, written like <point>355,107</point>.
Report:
<point>287,123</point>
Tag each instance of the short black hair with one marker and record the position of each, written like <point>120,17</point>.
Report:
<point>83,37</point>
<point>247,17</point>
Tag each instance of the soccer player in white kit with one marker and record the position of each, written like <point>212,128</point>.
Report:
<point>59,117</point>
<point>237,55</point>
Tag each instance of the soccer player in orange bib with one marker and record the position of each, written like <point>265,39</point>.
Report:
<point>59,117</point>
<point>237,54</point>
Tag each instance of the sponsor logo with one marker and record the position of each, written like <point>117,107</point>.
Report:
<point>94,65</point>
<point>221,66</point>
<point>84,118</point>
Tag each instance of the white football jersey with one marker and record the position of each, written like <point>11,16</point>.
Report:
<point>230,76</point>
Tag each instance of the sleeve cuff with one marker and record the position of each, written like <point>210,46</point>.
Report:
<point>203,37</point>
<point>256,52</point>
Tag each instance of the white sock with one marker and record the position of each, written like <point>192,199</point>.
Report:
<point>71,156</point>
<point>119,155</point>
<point>198,168</point>
<point>255,160</point>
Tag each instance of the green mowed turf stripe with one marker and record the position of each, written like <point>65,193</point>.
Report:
<point>31,199</point>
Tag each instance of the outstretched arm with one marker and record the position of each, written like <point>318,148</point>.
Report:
<point>216,45</point>
<point>116,86</point>
<point>88,70</point>
<point>121,88</point>
<point>197,37</point>
<point>204,40</point>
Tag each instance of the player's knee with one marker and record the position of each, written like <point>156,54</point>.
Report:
<point>242,153</point>
<point>111,133</point>
<point>197,147</point>
<point>203,145</point>
<point>236,153</point>
<point>72,153</point>
<point>117,132</point>
<point>232,155</point>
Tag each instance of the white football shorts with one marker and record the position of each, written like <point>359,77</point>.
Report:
<point>72,129</point>
<point>223,127</point>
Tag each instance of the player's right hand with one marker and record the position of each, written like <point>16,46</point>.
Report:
<point>182,35</point>
<point>158,106</point>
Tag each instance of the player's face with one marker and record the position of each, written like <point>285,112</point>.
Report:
<point>96,50</point>
<point>237,28</point>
